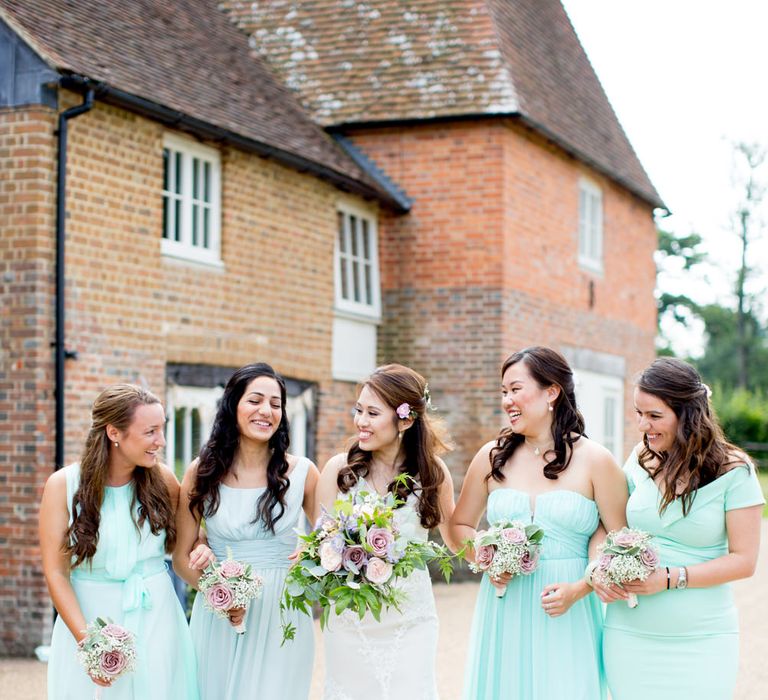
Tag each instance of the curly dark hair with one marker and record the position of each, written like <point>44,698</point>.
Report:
<point>115,406</point>
<point>421,443</point>
<point>700,452</point>
<point>547,367</point>
<point>218,453</point>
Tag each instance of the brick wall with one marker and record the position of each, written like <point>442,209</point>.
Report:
<point>486,263</point>
<point>27,211</point>
<point>131,310</point>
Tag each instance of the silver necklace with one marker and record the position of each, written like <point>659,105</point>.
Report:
<point>536,449</point>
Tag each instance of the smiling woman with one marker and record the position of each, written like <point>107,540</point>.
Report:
<point>105,525</point>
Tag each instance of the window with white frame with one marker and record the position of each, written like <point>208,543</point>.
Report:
<point>600,398</point>
<point>357,266</point>
<point>191,200</point>
<point>590,226</point>
<point>358,296</point>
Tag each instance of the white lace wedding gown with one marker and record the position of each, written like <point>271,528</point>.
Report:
<point>393,659</point>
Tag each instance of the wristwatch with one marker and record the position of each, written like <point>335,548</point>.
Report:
<point>682,579</point>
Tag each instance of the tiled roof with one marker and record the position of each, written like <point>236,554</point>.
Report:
<point>373,61</point>
<point>187,56</point>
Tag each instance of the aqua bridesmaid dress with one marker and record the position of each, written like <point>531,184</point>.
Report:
<point>516,650</point>
<point>253,665</point>
<point>679,643</point>
<point>127,580</point>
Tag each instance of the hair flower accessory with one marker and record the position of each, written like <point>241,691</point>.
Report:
<point>707,390</point>
<point>403,410</point>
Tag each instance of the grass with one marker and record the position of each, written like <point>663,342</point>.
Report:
<point>763,476</point>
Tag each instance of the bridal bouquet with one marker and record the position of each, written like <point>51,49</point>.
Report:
<point>352,559</point>
<point>107,651</point>
<point>508,546</point>
<point>626,555</point>
<point>229,584</point>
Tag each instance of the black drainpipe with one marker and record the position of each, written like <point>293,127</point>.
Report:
<point>61,211</point>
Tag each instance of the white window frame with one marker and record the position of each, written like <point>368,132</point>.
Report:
<point>188,398</point>
<point>185,248</point>
<point>349,306</point>
<point>590,226</point>
<point>594,391</point>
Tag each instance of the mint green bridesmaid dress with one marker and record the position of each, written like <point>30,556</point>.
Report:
<point>679,644</point>
<point>253,665</point>
<point>517,651</point>
<point>127,581</point>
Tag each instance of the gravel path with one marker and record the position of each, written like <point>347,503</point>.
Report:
<point>24,679</point>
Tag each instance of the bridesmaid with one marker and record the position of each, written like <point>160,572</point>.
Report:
<point>701,499</point>
<point>105,525</point>
<point>541,641</point>
<point>250,492</point>
<point>394,658</point>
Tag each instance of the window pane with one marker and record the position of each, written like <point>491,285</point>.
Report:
<point>343,277</point>
<point>177,173</point>
<point>165,216</point>
<point>353,233</point>
<point>366,251</point>
<point>367,275</point>
<point>342,238</point>
<point>206,228</point>
<point>207,181</point>
<point>166,165</point>
<point>178,442</point>
<point>196,432</point>
<point>195,224</point>
<point>356,278</point>
<point>177,220</point>
<point>195,178</point>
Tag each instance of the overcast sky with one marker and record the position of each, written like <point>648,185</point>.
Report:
<point>687,78</point>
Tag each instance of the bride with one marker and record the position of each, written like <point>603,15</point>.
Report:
<point>394,658</point>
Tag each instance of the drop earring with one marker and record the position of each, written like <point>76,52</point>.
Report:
<point>117,444</point>
<point>550,407</point>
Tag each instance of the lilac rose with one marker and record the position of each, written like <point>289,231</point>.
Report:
<point>514,535</point>
<point>650,558</point>
<point>231,569</point>
<point>117,632</point>
<point>112,663</point>
<point>625,539</point>
<point>220,596</point>
<point>378,571</point>
<point>529,561</point>
<point>381,540</point>
<point>353,558</point>
<point>604,562</point>
<point>484,555</point>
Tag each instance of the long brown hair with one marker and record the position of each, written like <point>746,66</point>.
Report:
<point>700,453</point>
<point>547,367</point>
<point>421,443</point>
<point>115,406</point>
<point>218,453</point>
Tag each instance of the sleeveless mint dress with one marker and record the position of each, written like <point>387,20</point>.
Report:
<point>679,644</point>
<point>253,665</point>
<point>516,650</point>
<point>127,581</point>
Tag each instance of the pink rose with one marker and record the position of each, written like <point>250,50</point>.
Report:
<point>604,562</point>
<point>625,539</point>
<point>115,632</point>
<point>484,555</point>
<point>220,597</point>
<point>403,411</point>
<point>528,562</point>
<point>112,663</point>
<point>330,556</point>
<point>514,535</point>
<point>378,571</point>
<point>381,541</point>
<point>650,558</point>
<point>231,569</point>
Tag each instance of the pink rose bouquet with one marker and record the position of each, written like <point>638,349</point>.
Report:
<point>626,555</point>
<point>352,559</point>
<point>107,651</point>
<point>229,584</point>
<point>508,546</point>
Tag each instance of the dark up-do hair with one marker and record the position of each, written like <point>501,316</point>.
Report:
<point>700,452</point>
<point>547,367</point>
<point>115,406</point>
<point>218,453</point>
<point>422,442</point>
